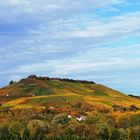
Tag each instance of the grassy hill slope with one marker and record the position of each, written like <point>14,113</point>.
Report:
<point>54,92</point>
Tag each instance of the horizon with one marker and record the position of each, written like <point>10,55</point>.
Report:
<point>86,40</point>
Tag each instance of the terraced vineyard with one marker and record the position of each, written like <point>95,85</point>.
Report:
<point>32,91</point>
<point>37,98</point>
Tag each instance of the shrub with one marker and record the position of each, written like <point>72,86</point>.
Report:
<point>123,134</point>
<point>104,133</point>
<point>14,130</point>
<point>39,134</point>
<point>11,82</point>
<point>92,120</point>
<point>26,134</point>
<point>4,133</point>
<point>115,135</point>
<point>124,122</point>
<point>135,120</point>
<point>111,120</point>
<point>135,134</point>
<point>33,126</point>
<point>85,131</point>
<point>60,119</point>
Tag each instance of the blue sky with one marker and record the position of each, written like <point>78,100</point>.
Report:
<point>95,40</point>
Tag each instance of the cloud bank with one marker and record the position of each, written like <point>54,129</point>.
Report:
<point>95,40</point>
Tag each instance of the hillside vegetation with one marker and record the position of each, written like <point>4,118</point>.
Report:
<point>54,102</point>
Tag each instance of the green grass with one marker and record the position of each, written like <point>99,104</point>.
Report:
<point>38,91</point>
<point>100,94</point>
<point>55,100</point>
<point>107,103</point>
<point>46,100</point>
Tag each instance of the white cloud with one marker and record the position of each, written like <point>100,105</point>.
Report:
<point>61,67</point>
<point>19,2</point>
<point>69,38</point>
<point>51,9</point>
<point>117,26</point>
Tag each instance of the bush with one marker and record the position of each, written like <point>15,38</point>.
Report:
<point>111,120</point>
<point>11,82</point>
<point>124,122</point>
<point>26,134</point>
<point>104,133</point>
<point>33,126</point>
<point>14,130</point>
<point>60,119</point>
<point>123,134</point>
<point>85,131</point>
<point>4,133</point>
<point>92,119</point>
<point>135,134</point>
<point>40,134</point>
<point>115,135</point>
<point>134,120</point>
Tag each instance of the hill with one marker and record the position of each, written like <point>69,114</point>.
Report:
<point>40,91</point>
<point>43,108</point>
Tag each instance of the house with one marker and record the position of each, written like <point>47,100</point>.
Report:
<point>69,116</point>
<point>82,118</point>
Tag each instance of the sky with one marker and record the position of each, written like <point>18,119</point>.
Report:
<point>95,40</point>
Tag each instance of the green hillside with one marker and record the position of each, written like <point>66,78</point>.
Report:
<point>43,108</point>
<point>39,91</point>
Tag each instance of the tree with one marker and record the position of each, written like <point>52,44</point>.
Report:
<point>104,133</point>
<point>11,82</point>
<point>14,129</point>
<point>92,119</point>
<point>135,120</point>
<point>124,122</point>
<point>124,135</point>
<point>111,120</point>
<point>82,130</point>
<point>115,135</point>
<point>49,119</point>
<point>26,134</point>
<point>33,126</point>
<point>68,131</point>
<point>40,134</point>
<point>133,108</point>
<point>78,105</point>
<point>60,119</point>
<point>135,134</point>
<point>4,133</point>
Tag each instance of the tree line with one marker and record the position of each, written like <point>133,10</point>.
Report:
<point>60,79</point>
